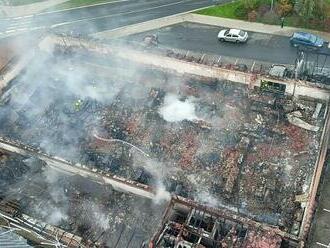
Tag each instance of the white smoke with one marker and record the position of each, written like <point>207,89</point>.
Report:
<point>161,194</point>
<point>56,215</point>
<point>96,216</point>
<point>159,171</point>
<point>56,209</point>
<point>175,110</point>
<point>205,197</point>
<point>50,213</point>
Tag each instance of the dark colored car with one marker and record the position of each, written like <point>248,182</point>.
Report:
<point>306,39</point>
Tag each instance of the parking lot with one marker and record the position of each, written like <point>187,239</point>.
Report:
<point>203,38</point>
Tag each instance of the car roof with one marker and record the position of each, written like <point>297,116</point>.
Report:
<point>303,36</point>
<point>234,31</point>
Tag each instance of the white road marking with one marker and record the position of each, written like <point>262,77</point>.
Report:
<point>326,210</point>
<point>27,16</point>
<point>95,18</point>
<point>18,18</point>
<point>19,24</point>
<point>22,29</point>
<point>81,7</point>
<point>36,28</point>
<point>118,14</point>
<point>10,31</point>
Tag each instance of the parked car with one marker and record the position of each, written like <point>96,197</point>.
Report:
<point>306,39</point>
<point>233,35</point>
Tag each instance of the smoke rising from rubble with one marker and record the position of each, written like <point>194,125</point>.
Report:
<point>56,209</point>
<point>175,110</point>
<point>94,215</point>
<point>65,100</point>
<point>161,194</point>
<point>159,171</point>
<point>57,103</point>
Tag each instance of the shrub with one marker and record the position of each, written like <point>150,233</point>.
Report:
<point>327,24</point>
<point>252,16</point>
<point>270,17</point>
<point>250,5</point>
<point>241,11</point>
<point>320,10</point>
<point>263,9</point>
<point>315,23</point>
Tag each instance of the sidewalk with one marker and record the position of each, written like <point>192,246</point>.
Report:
<point>29,9</point>
<point>141,27</point>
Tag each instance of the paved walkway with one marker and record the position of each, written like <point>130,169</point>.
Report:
<point>142,27</point>
<point>208,20</point>
<point>28,9</point>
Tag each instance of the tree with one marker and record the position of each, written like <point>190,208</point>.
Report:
<point>320,10</point>
<point>284,7</point>
<point>311,8</point>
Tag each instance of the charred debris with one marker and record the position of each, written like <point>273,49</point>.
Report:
<point>238,162</point>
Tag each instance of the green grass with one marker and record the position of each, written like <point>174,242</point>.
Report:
<point>226,10</point>
<point>76,3</point>
<point>19,2</point>
<point>235,10</point>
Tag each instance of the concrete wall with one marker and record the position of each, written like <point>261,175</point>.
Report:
<point>318,168</point>
<point>64,166</point>
<point>13,69</point>
<point>293,87</point>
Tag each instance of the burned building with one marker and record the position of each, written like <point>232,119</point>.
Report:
<point>188,224</point>
<point>144,128</point>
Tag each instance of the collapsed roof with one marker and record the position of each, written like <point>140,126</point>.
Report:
<point>220,143</point>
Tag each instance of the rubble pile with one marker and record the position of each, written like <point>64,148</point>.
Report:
<point>13,169</point>
<point>211,141</point>
<point>96,213</point>
<point>188,225</point>
<point>265,240</point>
<point>241,151</point>
<point>110,217</point>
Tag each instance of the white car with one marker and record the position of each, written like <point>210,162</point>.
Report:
<point>233,35</point>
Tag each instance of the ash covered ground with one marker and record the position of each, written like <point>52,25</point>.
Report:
<point>94,212</point>
<point>211,141</point>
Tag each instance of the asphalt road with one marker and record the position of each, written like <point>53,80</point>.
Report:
<point>203,38</point>
<point>200,38</point>
<point>102,17</point>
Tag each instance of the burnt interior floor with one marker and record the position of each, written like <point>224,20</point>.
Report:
<point>211,141</point>
<point>84,208</point>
